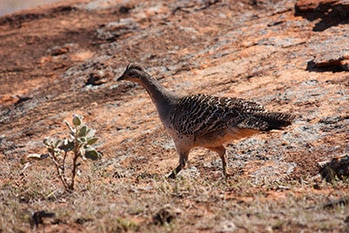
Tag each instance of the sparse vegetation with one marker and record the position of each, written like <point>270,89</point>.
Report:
<point>78,146</point>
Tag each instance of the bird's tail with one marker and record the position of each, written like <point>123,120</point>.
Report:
<point>265,121</point>
<point>276,120</point>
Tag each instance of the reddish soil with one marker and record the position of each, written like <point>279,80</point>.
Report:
<point>63,59</point>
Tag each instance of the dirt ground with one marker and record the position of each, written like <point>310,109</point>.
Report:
<point>63,59</point>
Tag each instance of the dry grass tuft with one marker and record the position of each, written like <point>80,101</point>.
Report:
<point>153,203</point>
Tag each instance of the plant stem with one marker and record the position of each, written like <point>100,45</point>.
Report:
<point>63,161</point>
<point>60,173</point>
<point>76,156</point>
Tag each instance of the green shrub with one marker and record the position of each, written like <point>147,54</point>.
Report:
<point>78,145</point>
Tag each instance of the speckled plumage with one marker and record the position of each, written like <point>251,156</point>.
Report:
<point>203,120</point>
<point>200,114</point>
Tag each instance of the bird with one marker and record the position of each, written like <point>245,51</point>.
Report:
<point>201,120</point>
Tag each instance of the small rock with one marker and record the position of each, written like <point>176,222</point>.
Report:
<point>166,215</point>
<point>336,58</point>
<point>60,50</point>
<point>38,217</point>
<point>343,201</point>
<point>337,167</point>
<point>125,9</point>
<point>225,226</point>
<point>96,78</point>
<point>332,57</point>
<point>330,12</point>
<point>82,221</point>
<point>312,5</point>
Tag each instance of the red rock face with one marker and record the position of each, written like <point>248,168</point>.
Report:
<point>311,5</point>
<point>327,13</point>
<point>62,59</point>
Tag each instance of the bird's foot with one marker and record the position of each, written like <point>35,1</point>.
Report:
<point>173,175</point>
<point>226,176</point>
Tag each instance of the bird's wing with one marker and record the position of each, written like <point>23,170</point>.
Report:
<point>198,115</point>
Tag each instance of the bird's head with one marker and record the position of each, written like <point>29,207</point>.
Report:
<point>133,73</point>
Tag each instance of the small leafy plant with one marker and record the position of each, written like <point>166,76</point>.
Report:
<point>79,145</point>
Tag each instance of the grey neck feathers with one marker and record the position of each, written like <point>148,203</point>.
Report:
<point>161,97</point>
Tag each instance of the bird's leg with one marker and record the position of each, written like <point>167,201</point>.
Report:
<point>221,152</point>
<point>174,173</point>
<point>183,158</point>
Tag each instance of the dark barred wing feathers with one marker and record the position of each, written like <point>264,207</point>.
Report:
<point>199,115</point>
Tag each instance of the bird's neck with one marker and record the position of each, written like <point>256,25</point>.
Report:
<point>161,97</point>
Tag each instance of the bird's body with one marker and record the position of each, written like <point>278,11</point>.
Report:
<point>203,120</point>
